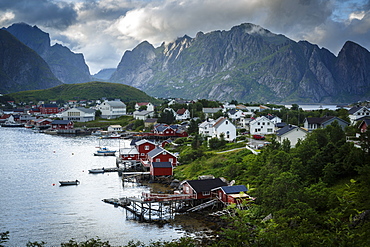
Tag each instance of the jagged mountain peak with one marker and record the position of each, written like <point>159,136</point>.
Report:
<point>246,63</point>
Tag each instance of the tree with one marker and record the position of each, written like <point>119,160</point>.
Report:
<point>193,127</point>
<point>166,117</point>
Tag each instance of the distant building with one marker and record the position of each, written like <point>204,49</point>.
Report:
<point>112,109</point>
<point>321,122</point>
<point>292,133</point>
<point>79,114</point>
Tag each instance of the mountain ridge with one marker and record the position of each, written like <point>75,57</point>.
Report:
<point>249,64</point>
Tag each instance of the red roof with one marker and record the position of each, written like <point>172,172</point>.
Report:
<point>181,111</point>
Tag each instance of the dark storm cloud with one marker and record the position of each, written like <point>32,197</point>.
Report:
<point>59,15</point>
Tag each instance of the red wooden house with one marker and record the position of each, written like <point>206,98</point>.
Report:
<point>363,125</point>
<point>62,124</point>
<point>161,155</point>
<point>232,194</point>
<point>129,154</point>
<point>161,169</point>
<point>49,109</point>
<point>144,147</point>
<point>201,189</point>
<point>164,130</point>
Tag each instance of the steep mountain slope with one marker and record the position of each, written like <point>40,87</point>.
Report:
<point>247,63</point>
<point>21,68</point>
<point>67,66</point>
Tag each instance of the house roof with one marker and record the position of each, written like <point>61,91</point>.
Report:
<point>365,121</point>
<point>142,113</point>
<point>151,120</point>
<point>49,106</point>
<point>181,111</point>
<point>232,111</point>
<point>115,103</point>
<point>86,110</point>
<point>219,121</point>
<point>355,109</point>
<point>205,184</point>
<point>161,164</point>
<point>128,151</point>
<point>143,141</point>
<point>157,151</point>
<point>161,127</point>
<point>61,122</point>
<point>322,120</point>
<point>142,103</point>
<point>234,189</point>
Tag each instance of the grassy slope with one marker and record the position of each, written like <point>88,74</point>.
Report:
<point>84,91</point>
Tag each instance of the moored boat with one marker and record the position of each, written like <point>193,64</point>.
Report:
<point>97,170</point>
<point>105,152</point>
<point>71,182</point>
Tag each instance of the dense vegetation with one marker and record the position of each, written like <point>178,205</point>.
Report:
<point>83,91</point>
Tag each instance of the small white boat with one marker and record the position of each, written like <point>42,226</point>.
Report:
<point>72,182</point>
<point>98,170</point>
<point>105,152</point>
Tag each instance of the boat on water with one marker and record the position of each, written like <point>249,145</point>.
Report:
<point>111,136</point>
<point>71,182</point>
<point>97,170</point>
<point>105,152</point>
<point>11,123</point>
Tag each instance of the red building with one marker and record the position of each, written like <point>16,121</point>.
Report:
<point>201,189</point>
<point>164,130</point>
<point>161,169</point>
<point>129,154</point>
<point>61,124</point>
<point>161,155</point>
<point>232,194</point>
<point>144,147</point>
<point>363,125</point>
<point>49,109</point>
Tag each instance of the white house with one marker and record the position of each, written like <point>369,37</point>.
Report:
<point>292,133</point>
<point>358,112</point>
<point>312,123</point>
<point>261,126</point>
<point>142,115</point>
<point>274,119</point>
<point>218,127</point>
<point>79,114</point>
<point>112,109</point>
<point>149,106</point>
<point>115,128</point>
<point>182,114</point>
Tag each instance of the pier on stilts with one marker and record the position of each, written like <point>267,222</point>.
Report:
<point>152,206</point>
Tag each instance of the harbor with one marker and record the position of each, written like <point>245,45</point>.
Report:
<point>36,209</point>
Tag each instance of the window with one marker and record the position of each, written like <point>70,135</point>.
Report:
<point>269,130</point>
<point>142,154</point>
<point>146,147</point>
<point>206,193</point>
<point>132,155</point>
<point>158,160</point>
<point>170,160</point>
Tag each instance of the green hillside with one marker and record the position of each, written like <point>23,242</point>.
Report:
<point>84,91</point>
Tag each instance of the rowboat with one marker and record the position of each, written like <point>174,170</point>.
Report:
<point>72,182</point>
<point>97,170</point>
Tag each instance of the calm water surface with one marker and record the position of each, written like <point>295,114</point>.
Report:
<point>35,208</point>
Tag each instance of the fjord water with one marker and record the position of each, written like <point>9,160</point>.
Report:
<point>35,208</point>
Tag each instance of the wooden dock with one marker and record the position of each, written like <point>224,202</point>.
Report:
<point>149,207</point>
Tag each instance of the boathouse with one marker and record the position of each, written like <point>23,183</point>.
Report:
<point>231,194</point>
<point>201,189</point>
<point>129,154</point>
<point>144,147</point>
<point>61,124</point>
<point>161,169</point>
<point>161,155</point>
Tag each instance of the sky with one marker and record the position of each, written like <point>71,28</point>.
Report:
<point>102,30</point>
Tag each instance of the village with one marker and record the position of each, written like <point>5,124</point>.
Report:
<point>148,155</point>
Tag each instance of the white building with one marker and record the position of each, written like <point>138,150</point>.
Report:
<point>261,126</point>
<point>291,133</point>
<point>357,112</point>
<point>149,106</point>
<point>218,127</point>
<point>182,114</point>
<point>79,114</point>
<point>112,109</point>
<point>142,115</point>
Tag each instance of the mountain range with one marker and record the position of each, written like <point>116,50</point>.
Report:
<point>247,64</point>
<point>67,66</point>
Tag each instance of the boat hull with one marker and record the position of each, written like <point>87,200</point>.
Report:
<point>66,183</point>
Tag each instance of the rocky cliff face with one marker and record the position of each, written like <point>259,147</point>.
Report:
<point>247,63</point>
<point>67,66</point>
<point>21,68</point>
